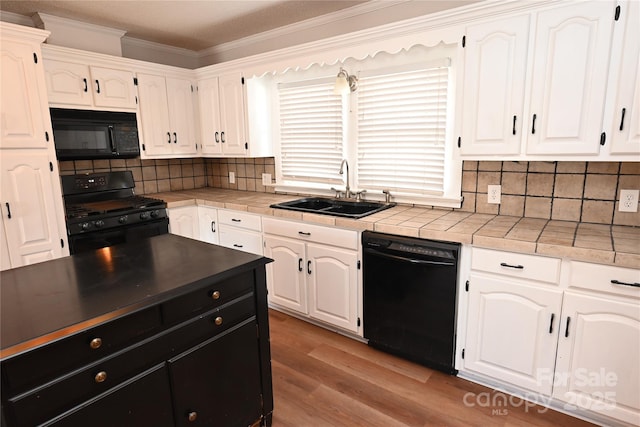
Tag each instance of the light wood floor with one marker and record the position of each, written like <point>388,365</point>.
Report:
<point>321,378</point>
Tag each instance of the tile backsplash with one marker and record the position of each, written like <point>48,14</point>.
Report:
<point>569,191</point>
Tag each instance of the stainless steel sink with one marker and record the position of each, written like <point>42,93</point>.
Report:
<point>335,207</point>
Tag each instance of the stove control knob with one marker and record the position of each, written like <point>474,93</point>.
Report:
<point>122,220</point>
<point>144,215</point>
<point>154,214</point>
<point>99,223</point>
<point>85,225</point>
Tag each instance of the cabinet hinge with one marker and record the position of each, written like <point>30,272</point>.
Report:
<point>466,286</point>
<point>135,81</point>
<point>617,12</point>
<point>459,141</point>
<point>136,100</point>
<point>35,57</point>
<point>242,80</point>
<point>463,353</point>
<point>358,264</point>
<point>464,41</point>
<point>246,145</point>
<point>603,138</point>
<point>144,148</point>
<point>51,166</point>
<point>358,322</point>
<point>62,243</point>
<point>46,136</point>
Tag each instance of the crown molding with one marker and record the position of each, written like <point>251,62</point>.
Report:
<point>159,47</point>
<point>42,20</point>
<point>15,18</point>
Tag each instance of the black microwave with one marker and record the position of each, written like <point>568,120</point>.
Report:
<point>84,134</point>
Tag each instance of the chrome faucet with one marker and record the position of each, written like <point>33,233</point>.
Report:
<point>347,189</point>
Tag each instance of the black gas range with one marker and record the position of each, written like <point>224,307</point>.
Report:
<point>101,209</point>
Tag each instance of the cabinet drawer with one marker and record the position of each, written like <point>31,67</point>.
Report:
<point>313,233</point>
<point>207,298</point>
<point>60,357</point>
<point>240,219</point>
<point>241,240</point>
<point>605,278</point>
<point>531,267</point>
<point>68,391</point>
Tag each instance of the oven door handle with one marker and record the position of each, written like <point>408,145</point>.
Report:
<point>406,259</point>
<point>112,139</point>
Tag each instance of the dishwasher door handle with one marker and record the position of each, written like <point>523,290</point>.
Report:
<point>411,260</point>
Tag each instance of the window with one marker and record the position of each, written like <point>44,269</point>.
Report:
<point>395,130</point>
<point>402,121</point>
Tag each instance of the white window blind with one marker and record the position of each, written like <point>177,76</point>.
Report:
<point>310,131</point>
<point>401,130</point>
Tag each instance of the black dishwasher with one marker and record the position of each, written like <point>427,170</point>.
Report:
<point>410,297</point>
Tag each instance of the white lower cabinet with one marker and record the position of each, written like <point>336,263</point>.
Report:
<point>208,220</point>
<point>580,345</point>
<point>183,221</point>
<point>315,271</point>
<point>240,230</point>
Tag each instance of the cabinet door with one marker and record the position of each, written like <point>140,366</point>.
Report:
<point>154,114</point>
<point>333,292</point>
<point>570,65</point>
<point>181,114</point>
<point>218,382</point>
<point>27,191</point>
<point>208,219</point>
<point>210,127</point>
<point>67,83</point>
<point>598,353</point>
<point>286,275</point>
<point>113,88</point>
<point>625,135</point>
<point>183,221</point>
<point>494,86</point>
<point>234,238</point>
<point>22,104</point>
<point>232,114</point>
<point>145,400</point>
<point>512,332</point>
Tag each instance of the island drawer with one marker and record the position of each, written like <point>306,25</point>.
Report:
<point>59,357</point>
<point>206,298</point>
<point>68,391</point>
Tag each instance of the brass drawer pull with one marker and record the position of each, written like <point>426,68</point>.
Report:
<point>101,377</point>
<point>218,321</point>
<point>215,295</point>
<point>192,416</point>
<point>95,343</point>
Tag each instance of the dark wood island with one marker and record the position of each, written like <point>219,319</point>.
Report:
<point>167,331</point>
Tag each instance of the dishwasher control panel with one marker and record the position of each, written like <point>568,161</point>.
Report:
<point>420,250</point>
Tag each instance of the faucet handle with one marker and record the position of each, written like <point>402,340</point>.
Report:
<point>387,196</point>
<point>339,193</point>
<point>359,194</point>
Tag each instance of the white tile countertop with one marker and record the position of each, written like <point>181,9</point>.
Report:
<point>606,244</point>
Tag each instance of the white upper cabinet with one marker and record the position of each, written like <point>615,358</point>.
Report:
<point>22,120</point>
<point>570,64</point>
<point>80,85</point>
<point>494,86</point>
<point>535,85</point>
<point>166,116</point>
<point>624,84</point>
<point>222,115</point>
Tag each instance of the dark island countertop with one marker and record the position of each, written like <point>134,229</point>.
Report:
<point>44,302</point>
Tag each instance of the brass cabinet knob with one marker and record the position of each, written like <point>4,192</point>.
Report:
<point>215,295</point>
<point>218,321</point>
<point>101,376</point>
<point>192,416</point>
<point>95,343</point>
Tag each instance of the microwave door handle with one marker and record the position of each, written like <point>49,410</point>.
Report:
<point>112,139</point>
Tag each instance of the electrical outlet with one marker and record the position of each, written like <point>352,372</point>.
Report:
<point>493,194</point>
<point>628,200</point>
<point>232,177</point>
<point>266,179</point>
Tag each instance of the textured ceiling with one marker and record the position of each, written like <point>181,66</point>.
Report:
<point>188,24</point>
